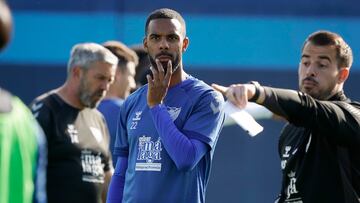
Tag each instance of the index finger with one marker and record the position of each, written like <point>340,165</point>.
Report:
<point>220,88</point>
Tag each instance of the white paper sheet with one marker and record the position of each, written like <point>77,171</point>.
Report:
<point>243,119</point>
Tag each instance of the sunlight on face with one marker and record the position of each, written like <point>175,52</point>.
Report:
<point>95,82</point>
<point>164,41</point>
<point>318,71</point>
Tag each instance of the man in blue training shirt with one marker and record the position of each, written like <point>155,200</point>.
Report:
<point>123,84</point>
<point>167,129</point>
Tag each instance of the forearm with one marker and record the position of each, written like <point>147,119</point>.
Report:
<point>303,110</point>
<point>106,184</point>
<point>117,183</point>
<point>285,103</point>
<point>185,152</point>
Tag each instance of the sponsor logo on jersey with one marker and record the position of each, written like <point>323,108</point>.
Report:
<point>92,167</point>
<point>294,200</point>
<point>287,150</point>
<point>137,116</point>
<point>291,192</point>
<point>283,164</point>
<point>285,156</point>
<point>35,107</point>
<point>149,153</point>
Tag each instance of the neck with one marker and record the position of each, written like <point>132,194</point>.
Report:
<point>178,76</point>
<point>71,97</point>
<point>114,93</point>
<point>335,91</point>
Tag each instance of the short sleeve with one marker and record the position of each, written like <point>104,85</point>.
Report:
<point>42,114</point>
<point>121,147</point>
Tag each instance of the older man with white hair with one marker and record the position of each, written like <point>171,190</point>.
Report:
<point>79,162</point>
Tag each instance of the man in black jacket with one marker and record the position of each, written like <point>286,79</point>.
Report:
<point>320,146</point>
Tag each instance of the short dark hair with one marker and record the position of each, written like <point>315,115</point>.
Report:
<point>326,38</point>
<point>167,14</point>
<point>142,69</point>
<point>122,52</point>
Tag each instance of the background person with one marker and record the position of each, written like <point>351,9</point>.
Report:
<point>79,161</point>
<point>123,84</point>
<point>22,142</point>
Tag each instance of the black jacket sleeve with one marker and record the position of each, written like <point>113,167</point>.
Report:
<point>338,120</point>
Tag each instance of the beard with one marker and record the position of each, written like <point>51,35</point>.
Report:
<point>318,92</point>
<point>88,99</point>
<point>175,62</point>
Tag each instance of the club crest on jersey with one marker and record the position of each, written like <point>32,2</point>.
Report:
<point>97,134</point>
<point>148,153</point>
<point>215,104</point>
<point>73,133</point>
<point>174,112</point>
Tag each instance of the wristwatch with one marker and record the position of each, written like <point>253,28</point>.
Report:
<point>257,91</point>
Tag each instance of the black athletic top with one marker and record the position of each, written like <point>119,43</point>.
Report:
<point>319,148</point>
<point>78,152</point>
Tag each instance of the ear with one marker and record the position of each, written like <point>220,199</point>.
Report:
<point>343,74</point>
<point>76,72</point>
<point>185,44</point>
<point>119,73</point>
<point>145,43</point>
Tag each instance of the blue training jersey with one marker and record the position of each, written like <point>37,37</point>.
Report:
<point>152,176</point>
<point>110,108</point>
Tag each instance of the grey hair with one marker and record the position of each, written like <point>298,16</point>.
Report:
<point>84,54</point>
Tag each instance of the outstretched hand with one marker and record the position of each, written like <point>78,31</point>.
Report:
<point>158,85</point>
<point>237,94</point>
